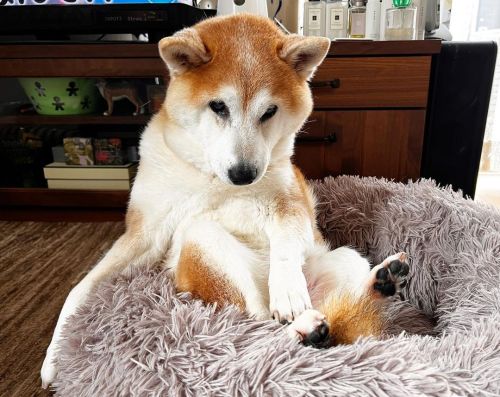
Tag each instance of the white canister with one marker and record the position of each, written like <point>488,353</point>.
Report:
<point>421,6</point>
<point>314,18</point>
<point>229,7</point>
<point>384,6</point>
<point>373,9</point>
<point>336,19</point>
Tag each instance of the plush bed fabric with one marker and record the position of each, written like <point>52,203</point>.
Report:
<point>136,337</point>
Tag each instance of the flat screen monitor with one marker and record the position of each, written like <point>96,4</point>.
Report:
<point>53,18</point>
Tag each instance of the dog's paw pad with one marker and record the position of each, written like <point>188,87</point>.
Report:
<point>399,268</point>
<point>310,328</point>
<point>386,288</point>
<point>318,337</point>
<point>389,277</point>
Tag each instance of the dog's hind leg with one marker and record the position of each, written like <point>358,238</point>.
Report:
<point>348,293</point>
<point>216,267</point>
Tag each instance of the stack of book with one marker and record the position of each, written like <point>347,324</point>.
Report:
<point>101,177</point>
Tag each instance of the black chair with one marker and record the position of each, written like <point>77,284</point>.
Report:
<point>458,101</point>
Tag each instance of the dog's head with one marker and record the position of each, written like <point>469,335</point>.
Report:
<point>239,88</point>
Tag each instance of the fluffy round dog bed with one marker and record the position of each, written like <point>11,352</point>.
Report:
<point>136,337</point>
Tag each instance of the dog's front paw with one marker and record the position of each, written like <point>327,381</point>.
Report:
<point>49,368</point>
<point>288,297</point>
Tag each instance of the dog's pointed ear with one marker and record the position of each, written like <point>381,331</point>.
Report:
<point>304,53</point>
<point>183,51</point>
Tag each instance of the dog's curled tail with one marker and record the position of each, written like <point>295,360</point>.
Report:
<point>350,317</point>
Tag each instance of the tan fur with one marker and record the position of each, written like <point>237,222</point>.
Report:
<point>161,117</point>
<point>350,318</point>
<point>290,205</point>
<point>305,193</point>
<point>230,63</point>
<point>133,221</point>
<point>318,237</point>
<point>308,200</point>
<point>297,202</point>
<point>195,276</point>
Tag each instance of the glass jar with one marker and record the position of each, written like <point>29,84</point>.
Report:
<point>357,19</point>
<point>401,23</point>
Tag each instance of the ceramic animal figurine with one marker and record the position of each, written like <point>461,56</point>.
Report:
<point>114,90</point>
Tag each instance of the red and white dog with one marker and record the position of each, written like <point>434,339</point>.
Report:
<point>218,199</point>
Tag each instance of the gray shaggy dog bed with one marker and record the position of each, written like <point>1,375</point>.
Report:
<point>136,337</point>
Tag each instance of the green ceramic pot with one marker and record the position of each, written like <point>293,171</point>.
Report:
<point>62,95</point>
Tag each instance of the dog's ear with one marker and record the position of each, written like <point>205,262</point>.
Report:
<point>183,51</point>
<point>304,53</point>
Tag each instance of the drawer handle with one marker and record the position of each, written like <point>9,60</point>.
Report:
<point>331,138</point>
<point>335,83</point>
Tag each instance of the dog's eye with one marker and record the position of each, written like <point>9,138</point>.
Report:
<point>270,112</point>
<point>219,108</point>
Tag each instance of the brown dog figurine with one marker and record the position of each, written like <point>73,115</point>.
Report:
<point>114,90</point>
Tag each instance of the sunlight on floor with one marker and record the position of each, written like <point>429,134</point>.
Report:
<point>488,188</point>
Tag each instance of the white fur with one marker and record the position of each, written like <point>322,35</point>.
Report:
<point>306,323</point>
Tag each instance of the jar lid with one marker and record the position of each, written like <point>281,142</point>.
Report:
<point>401,3</point>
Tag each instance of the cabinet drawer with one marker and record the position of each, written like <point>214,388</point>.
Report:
<point>381,143</point>
<point>372,82</point>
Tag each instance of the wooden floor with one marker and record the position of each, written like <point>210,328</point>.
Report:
<point>39,263</point>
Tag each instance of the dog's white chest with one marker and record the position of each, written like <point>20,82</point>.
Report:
<point>244,218</point>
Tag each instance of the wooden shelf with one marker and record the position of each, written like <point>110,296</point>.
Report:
<point>53,205</point>
<point>34,119</point>
<point>362,48</point>
<point>62,214</point>
<point>142,60</point>
<point>150,51</point>
<point>43,197</point>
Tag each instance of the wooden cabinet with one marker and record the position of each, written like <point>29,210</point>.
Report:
<point>383,143</point>
<point>373,82</point>
<point>369,119</point>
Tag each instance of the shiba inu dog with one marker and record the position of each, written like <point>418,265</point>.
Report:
<point>217,199</point>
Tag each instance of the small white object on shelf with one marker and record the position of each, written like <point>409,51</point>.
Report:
<point>336,19</point>
<point>314,18</point>
<point>229,7</point>
<point>357,19</point>
<point>373,8</point>
<point>421,6</point>
<point>401,23</point>
<point>384,6</point>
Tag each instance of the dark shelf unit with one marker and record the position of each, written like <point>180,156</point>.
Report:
<point>34,119</point>
<point>123,61</point>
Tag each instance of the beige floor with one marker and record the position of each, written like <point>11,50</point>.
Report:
<point>488,188</point>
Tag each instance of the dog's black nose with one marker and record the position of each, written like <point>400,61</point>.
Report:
<point>242,174</point>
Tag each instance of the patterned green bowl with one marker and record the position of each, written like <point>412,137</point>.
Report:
<point>62,95</point>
